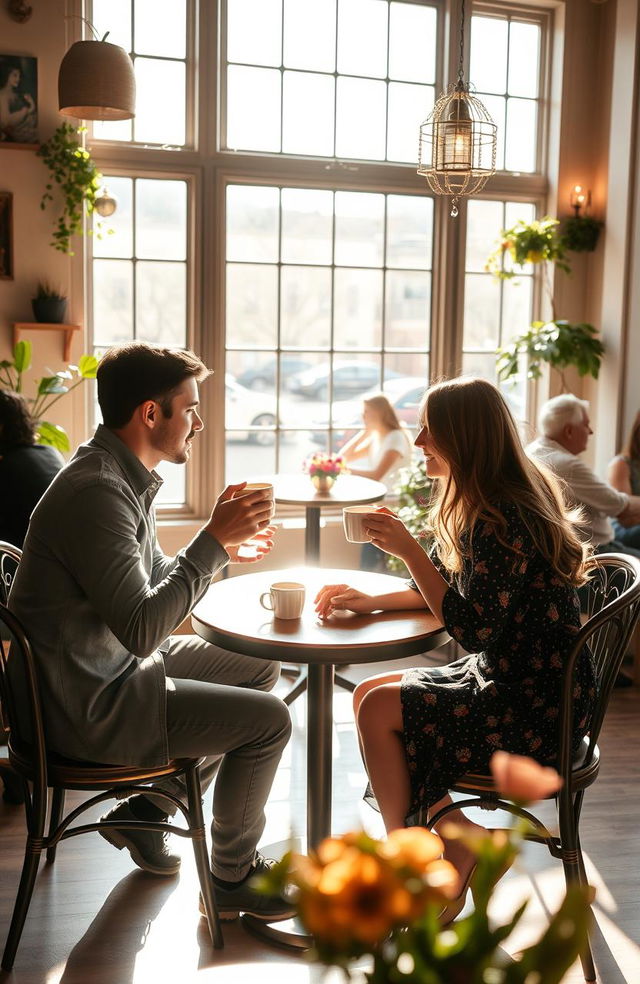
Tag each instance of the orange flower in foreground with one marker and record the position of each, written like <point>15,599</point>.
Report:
<point>521,779</point>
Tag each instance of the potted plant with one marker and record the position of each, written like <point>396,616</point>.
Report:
<point>557,342</point>
<point>73,170</point>
<point>49,305</point>
<point>49,389</point>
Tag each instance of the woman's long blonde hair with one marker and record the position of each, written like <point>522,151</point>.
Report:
<point>632,447</point>
<point>472,428</point>
<point>387,414</point>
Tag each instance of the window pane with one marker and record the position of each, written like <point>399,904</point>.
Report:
<point>254,31</point>
<point>160,101</point>
<point>358,309</point>
<point>310,34</point>
<point>112,301</point>
<point>305,304</point>
<point>412,42</point>
<point>161,27</point>
<point>120,242</point>
<point>161,219</point>
<point>521,135</point>
<point>308,107</point>
<point>362,37</point>
<point>360,118</point>
<point>113,16</point>
<point>112,129</point>
<point>408,301</point>
<point>416,366</point>
<point>481,312</point>
<point>252,223</point>
<point>517,300</point>
<point>524,54</point>
<point>161,303</point>
<point>252,305</point>
<point>307,225</point>
<point>484,222</point>
<point>409,231</point>
<point>495,106</point>
<point>359,229</point>
<point>173,491</point>
<point>409,105</point>
<point>488,65</point>
<point>253,108</point>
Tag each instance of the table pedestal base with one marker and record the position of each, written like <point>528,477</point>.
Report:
<point>288,933</point>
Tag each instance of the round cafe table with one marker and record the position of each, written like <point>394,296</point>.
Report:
<point>230,615</point>
<point>348,490</point>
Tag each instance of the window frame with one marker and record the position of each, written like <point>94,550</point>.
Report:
<point>208,169</point>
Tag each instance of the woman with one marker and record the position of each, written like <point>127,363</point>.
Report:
<point>17,110</point>
<point>378,451</point>
<point>624,475</point>
<point>506,564</point>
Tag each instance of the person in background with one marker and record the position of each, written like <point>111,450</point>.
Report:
<point>565,427</point>
<point>502,579</point>
<point>26,468</point>
<point>624,475</point>
<point>378,451</point>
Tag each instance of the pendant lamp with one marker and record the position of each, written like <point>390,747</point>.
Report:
<point>96,82</point>
<point>457,152</point>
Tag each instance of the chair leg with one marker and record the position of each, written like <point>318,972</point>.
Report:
<point>23,899</point>
<point>199,840</point>
<point>57,806</point>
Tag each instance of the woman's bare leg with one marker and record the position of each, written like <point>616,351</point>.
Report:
<point>460,856</point>
<point>379,721</point>
<point>363,688</point>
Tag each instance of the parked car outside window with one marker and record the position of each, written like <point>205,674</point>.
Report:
<point>349,379</point>
<point>263,377</point>
<point>249,414</point>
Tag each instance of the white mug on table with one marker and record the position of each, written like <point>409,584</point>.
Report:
<point>286,599</point>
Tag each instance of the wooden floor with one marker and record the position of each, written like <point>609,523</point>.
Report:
<point>96,918</point>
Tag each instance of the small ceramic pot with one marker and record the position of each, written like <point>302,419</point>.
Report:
<point>323,483</point>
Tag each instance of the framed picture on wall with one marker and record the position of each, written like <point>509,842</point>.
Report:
<point>18,101</point>
<point>6,235</point>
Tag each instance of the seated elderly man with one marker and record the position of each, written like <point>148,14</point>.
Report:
<point>565,427</point>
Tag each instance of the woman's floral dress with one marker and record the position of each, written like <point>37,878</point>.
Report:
<point>524,618</point>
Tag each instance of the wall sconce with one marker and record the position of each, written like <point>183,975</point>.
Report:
<point>579,198</point>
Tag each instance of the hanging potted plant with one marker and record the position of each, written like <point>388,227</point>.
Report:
<point>558,343</point>
<point>73,170</point>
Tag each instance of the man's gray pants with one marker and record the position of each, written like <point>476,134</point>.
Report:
<point>218,706</point>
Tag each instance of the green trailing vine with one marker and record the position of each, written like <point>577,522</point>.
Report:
<point>73,170</point>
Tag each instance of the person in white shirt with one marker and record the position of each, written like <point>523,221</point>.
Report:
<point>565,427</point>
<point>378,451</point>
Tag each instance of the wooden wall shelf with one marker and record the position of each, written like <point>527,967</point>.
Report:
<point>68,330</point>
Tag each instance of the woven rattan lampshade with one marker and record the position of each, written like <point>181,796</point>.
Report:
<point>96,82</point>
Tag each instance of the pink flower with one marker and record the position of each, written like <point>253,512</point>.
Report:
<point>521,779</point>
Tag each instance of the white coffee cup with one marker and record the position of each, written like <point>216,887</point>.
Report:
<point>265,487</point>
<point>354,522</point>
<point>284,598</point>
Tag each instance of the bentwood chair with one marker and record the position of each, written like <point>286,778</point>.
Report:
<point>9,560</point>
<point>41,770</point>
<point>613,607</point>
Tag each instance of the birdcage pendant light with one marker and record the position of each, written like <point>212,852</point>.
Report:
<point>457,152</point>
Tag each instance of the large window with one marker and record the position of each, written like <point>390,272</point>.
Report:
<point>270,215</point>
<point>343,78</point>
<point>328,296</point>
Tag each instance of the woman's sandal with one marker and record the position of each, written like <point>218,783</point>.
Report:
<point>453,909</point>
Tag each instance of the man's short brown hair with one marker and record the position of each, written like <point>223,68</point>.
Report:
<point>130,374</point>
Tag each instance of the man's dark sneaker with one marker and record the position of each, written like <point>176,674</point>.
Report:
<point>244,898</point>
<point>148,848</point>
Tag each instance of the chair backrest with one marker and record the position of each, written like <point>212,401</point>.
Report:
<point>10,557</point>
<point>613,608</point>
<point>19,692</point>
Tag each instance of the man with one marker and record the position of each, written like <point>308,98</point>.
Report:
<point>100,601</point>
<point>565,427</point>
